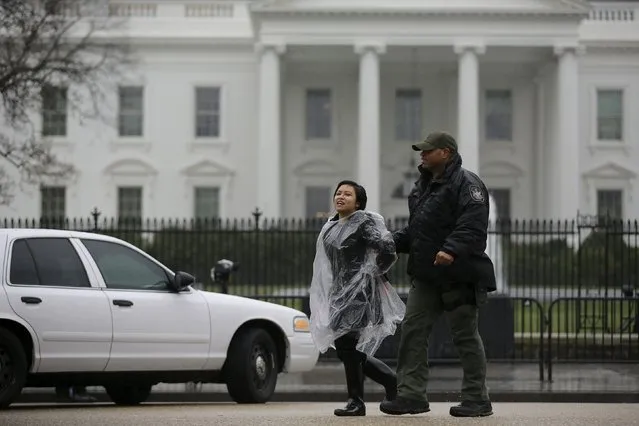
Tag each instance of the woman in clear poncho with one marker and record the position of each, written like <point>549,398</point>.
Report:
<point>353,306</point>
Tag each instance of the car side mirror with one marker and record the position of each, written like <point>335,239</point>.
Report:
<point>181,280</point>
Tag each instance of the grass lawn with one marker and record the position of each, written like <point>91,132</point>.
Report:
<point>592,316</point>
<point>587,317</point>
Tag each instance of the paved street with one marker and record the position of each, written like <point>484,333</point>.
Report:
<point>518,382</point>
<point>281,414</point>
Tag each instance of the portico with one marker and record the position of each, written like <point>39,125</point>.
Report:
<point>447,43</point>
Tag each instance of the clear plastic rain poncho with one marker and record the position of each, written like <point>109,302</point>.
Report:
<point>349,291</point>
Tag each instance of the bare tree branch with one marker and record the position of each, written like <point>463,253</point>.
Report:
<point>49,43</point>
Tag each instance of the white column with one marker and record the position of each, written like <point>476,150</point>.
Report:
<point>368,147</point>
<point>468,104</point>
<point>566,153</point>
<point>269,180</point>
<point>540,201</point>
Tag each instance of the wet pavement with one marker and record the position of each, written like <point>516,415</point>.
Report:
<point>501,377</point>
<point>506,382</point>
<point>281,414</point>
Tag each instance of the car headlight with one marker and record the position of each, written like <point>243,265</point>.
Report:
<point>301,325</point>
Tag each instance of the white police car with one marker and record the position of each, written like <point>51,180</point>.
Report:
<point>88,309</point>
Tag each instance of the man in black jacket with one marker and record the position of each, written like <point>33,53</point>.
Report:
<point>450,272</point>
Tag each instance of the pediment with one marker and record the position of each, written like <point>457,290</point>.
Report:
<point>130,167</point>
<point>429,7</point>
<point>501,169</point>
<point>316,168</point>
<point>610,170</point>
<point>207,168</point>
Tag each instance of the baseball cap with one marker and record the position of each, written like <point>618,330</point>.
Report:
<point>437,140</point>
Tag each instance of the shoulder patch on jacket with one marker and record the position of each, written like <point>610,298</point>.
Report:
<point>476,194</point>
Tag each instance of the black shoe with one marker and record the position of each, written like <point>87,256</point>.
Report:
<point>401,406</point>
<point>354,384</point>
<point>80,395</point>
<point>73,394</point>
<point>354,407</point>
<point>472,409</point>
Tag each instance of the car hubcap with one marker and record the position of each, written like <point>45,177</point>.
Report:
<point>261,367</point>
<point>6,370</point>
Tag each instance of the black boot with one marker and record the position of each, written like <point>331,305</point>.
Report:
<point>400,406</point>
<point>381,373</point>
<point>355,385</point>
<point>472,409</point>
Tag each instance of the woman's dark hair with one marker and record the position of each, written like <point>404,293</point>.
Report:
<point>360,193</point>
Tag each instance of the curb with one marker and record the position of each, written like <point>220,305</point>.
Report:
<point>496,397</point>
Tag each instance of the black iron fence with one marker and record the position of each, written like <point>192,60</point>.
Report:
<point>568,291</point>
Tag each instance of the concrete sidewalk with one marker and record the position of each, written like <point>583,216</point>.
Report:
<point>507,383</point>
<point>310,414</point>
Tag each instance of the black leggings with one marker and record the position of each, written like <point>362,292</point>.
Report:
<point>357,365</point>
<point>345,348</point>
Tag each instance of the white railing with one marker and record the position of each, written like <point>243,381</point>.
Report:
<point>208,10</point>
<point>63,8</point>
<point>615,12</point>
<point>137,10</point>
<point>133,9</point>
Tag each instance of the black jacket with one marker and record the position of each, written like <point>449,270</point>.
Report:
<point>448,214</point>
<point>347,255</point>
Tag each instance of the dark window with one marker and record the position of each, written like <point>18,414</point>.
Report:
<point>53,205</point>
<point>131,112</point>
<point>503,202</point>
<point>610,115</point>
<point>318,201</point>
<point>54,111</point>
<point>207,112</point>
<point>499,115</point>
<point>610,204</point>
<point>408,114</point>
<point>319,115</point>
<point>130,206</point>
<point>49,262</point>
<point>23,269</point>
<point>124,268</point>
<point>207,202</point>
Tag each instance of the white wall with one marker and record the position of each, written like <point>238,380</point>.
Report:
<point>159,160</point>
<point>610,165</point>
<point>506,165</point>
<point>324,162</point>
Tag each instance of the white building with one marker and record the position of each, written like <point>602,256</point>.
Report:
<point>239,104</point>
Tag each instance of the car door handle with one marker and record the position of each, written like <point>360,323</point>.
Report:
<point>122,303</point>
<point>31,300</point>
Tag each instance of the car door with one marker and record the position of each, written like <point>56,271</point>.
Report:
<point>48,286</point>
<point>153,327</point>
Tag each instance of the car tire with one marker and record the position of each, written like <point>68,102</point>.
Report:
<point>13,367</point>
<point>252,367</point>
<point>128,394</point>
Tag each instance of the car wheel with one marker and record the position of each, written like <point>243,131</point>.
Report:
<point>13,367</point>
<point>252,367</point>
<point>128,394</point>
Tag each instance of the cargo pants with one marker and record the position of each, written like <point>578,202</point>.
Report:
<point>426,303</point>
